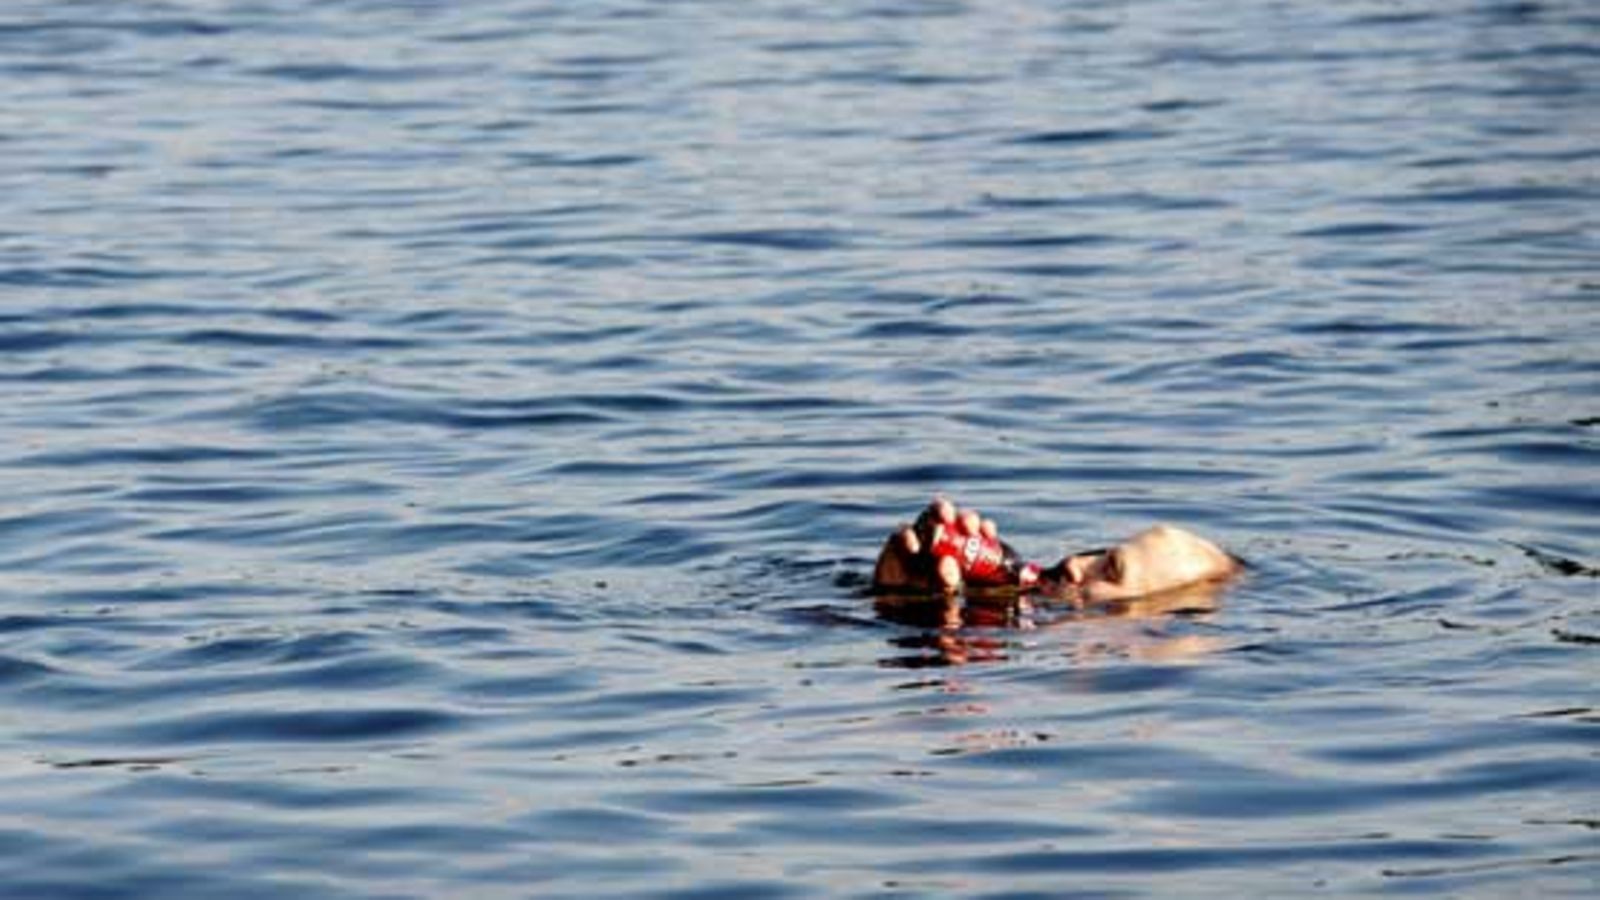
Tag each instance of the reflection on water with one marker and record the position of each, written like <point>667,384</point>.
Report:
<point>957,629</point>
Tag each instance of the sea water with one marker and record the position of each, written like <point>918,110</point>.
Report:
<point>444,445</point>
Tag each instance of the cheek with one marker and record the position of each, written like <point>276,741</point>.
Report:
<point>1098,590</point>
<point>1162,573</point>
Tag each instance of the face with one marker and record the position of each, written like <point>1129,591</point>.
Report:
<point>1158,559</point>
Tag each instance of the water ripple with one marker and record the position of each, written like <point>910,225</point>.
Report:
<point>462,433</point>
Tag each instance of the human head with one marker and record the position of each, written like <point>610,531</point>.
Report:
<point>1157,559</point>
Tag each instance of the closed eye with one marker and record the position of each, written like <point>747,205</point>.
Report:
<point>1112,570</point>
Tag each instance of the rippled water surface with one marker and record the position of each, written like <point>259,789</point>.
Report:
<point>444,445</point>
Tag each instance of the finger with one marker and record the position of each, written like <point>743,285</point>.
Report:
<point>949,572</point>
<point>990,530</point>
<point>895,567</point>
<point>909,541</point>
<point>938,511</point>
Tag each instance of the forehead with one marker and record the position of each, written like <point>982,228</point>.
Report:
<point>1166,542</point>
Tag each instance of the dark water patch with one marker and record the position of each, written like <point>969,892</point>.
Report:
<point>370,105</point>
<point>542,687</point>
<point>14,670</point>
<point>235,337</point>
<point>180,311</point>
<point>662,702</point>
<point>144,26</point>
<point>1432,747</point>
<point>317,73</point>
<point>276,529</point>
<point>1357,230</point>
<point>1026,241</point>
<point>1105,759</point>
<point>561,744</point>
<point>247,493</point>
<point>1406,603</point>
<point>35,341</point>
<point>1556,564</point>
<point>911,329</point>
<point>1546,453</point>
<point>452,838</point>
<point>783,405</point>
<point>825,46</point>
<point>774,797</point>
<point>660,545</point>
<point>600,335</point>
<point>338,410</point>
<point>881,78</point>
<point>1071,137</point>
<point>24,623</point>
<point>25,531</point>
<point>1169,861</point>
<point>548,160</point>
<point>1500,194</point>
<point>1372,512</point>
<point>156,592</point>
<point>876,830</point>
<point>981,300</point>
<point>130,763</point>
<point>1387,20</point>
<point>1433,345</point>
<point>1179,104</point>
<point>619,470</point>
<point>546,612</point>
<point>80,277</point>
<point>803,239</point>
<point>589,824</point>
<point>264,794</point>
<point>217,676</point>
<point>1299,797</point>
<point>1564,50</point>
<point>1059,270</point>
<point>1548,498</point>
<point>1472,876</point>
<point>600,110</point>
<point>180,455</point>
<point>933,475</point>
<point>1146,202</point>
<point>400,539</point>
<point>732,889</point>
<point>289,726</point>
<point>917,10</point>
<point>577,261</point>
<point>259,649</point>
<point>1497,432</point>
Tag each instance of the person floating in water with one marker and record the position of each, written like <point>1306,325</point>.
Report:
<point>948,549</point>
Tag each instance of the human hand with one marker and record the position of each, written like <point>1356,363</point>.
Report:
<point>935,550</point>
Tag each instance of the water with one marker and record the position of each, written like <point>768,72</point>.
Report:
<point>444,444</point>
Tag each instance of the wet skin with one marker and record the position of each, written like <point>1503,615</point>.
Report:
<point>1160,558</point>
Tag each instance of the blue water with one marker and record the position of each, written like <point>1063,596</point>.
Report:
<point>444,444</point>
